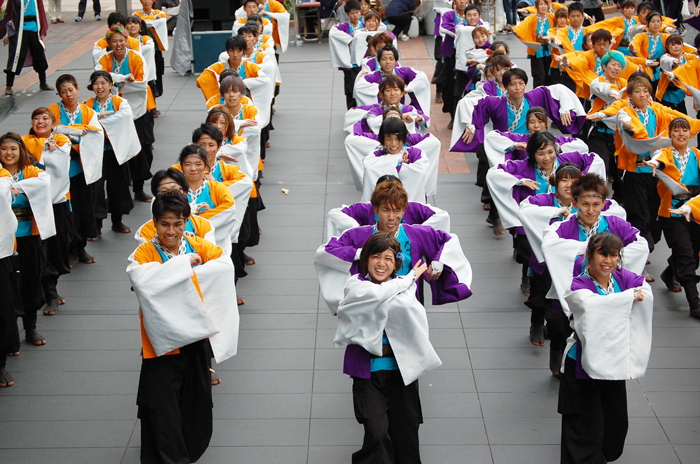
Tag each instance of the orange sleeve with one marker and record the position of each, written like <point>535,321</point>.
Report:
<point>148,231</point>
<point>563,36</point>
<point>201,226</point>
<point>688,73</point>
<point>207,251</point>
<point>665,115</point>
<point>249,112</point>
<point>695,208</point>
<point>208,81</point>
<point>221,197</point>
<point>640,45</point>
<point>136,66</point>
<point>35,146</point>
<point>106,62</point>
<point>527,31</point>
<point>133,43</point>
<point>614,107</point>
<point>580,70</point>
<point>251,69</point>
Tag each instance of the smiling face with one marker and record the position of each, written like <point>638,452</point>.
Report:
<point>10,155</point>
<point>69,95</point>
<point>170,229</point>
<point>381,265</point>
<point>589,207</point>
<point>480,39</point>
<point>612,69</point>
<point>102,88</point>
<point>542,7</point>
<point>498,73</point>
<point>42,125</point>
<point>473,18</point>
<point>133,28</point>
<point>640,96</point>
<point>516,87</point>
<point>600,266</point>
<point>680,136</point>
<point>193,168</point>
<point>387,62</point>
<point>388,217</point>
<point>675,49</point>
<point>535,124</point>
<point>118,45</point>
<point>391,96</point>
<point>393,144</point>
<point>564,188</point>
<point>546,157</point>
<point>169,185</point>
<point>372,23</point>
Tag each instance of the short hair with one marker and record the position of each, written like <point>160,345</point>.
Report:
<point>96,75</point>
<point>209,129</point>
<point>645,6</point>
<point>471,7</point>
<point>23,152</point>
<point>590,182</point>
<point>537,141</point>
<point>66,79</point>
<point>393,126</point>
<point>633,83</point>
<point>380,37</point>
<point>675,39</point>
<point>539,112</point>
<point>605,243</point>
<point>171,202</point>
<point>352,5</point>
<point>537,2</point>
<point>226,73</point>
<point>213,117</point>
<point>561,12</point>
<point>641,74</point>
<point>245,2</point>
<point>116,29</point>
<point>677,122</point>
<point>481,30</point>
<point>390,192</point>
<point>379,243</point>
<point>500,60</point>
<point>116,17</point>
<point>514,73</point>
<point>388,178</point>
<point>616,56</point>
<point>585,40</point>
<point>576,6</point>
<point>391,81</point>
<point>565,171</point>
<point>390,109</point>
<point>231,82</point>
<point>37,112</point>
<point>499,43</point>
<point>627,3</point>
<point>388,47</point>
<point>601,34</point>
<point>170,173</point>
<point>257,18</point>
<point>193,150</point>
<point>246,29</point>
<point>236,42</point>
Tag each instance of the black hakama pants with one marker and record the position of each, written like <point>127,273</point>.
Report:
<point>140,165</point>
<point>117,201</point>
<point>349,76</point>
<point>56,247</point>
<point>175,406</point>
<point>31,262</point>
<point>10,307</point>
<point>539,69</point>
<point>683,238</point>
<point>642,203</point>
<point>82,205</point>
<point>32,44</point>
<point>449,74</point>
<point>391,414</point>
<point>593,418</point>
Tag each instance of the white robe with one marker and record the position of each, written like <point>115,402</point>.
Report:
<point>368,310</point>
<point>122,134</point>
<point>57,166</point>
<point>412,175</point>
<point>38,192</point>
<point>91,148</point>
<point>366,93</point>
<point>339,43</point>
<point>496,144</point>
<point>7,218</point>
<point>282,24</point>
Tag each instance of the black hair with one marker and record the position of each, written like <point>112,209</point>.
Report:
<point>537,141</point>
<point>388,178</point>
<point>257,18</point>
<point>539,112</point>
<point>97,74</point>
<point>674,39</point>
<point>245,2</point>
<point>472,6</point>
<point>590,182</point>
<point>207,129</point>
<point>116,17</point>
<point>605,243</point>
<point>514,73</point>
<point>379,243</point>
<point>682,122</point>
<point>652,14</point>
<point>645,6</point>
<point>193,150</point>
<point>391,109</point>
<point>66,79</point>
<point>143,28</point>
<point>24,157</point>
<point>565,171</point>
<point>170,173</point>
<point>171,202</point>
<point>352,5</point>
<point>236,43</point>
<point>390,48</point>
<point>393,126</point>
<point>576,6</point>
<point>499,43</point>
<point>601,34</point>
<point>248,29</point>
<point>627,3</point>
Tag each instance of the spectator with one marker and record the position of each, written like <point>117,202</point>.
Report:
<point>399,13</point>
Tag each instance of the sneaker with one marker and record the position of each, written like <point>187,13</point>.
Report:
<point>404,37</point>
<point>78,19</point>
<point>98,18</point>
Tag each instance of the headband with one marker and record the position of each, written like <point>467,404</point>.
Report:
<point>594,195</point>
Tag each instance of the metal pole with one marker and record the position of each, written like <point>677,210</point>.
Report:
<point>123,6</point>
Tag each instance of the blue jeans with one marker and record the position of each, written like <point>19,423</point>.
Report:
<point>511,9</point>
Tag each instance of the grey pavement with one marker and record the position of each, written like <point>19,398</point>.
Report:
<point>284,398</point>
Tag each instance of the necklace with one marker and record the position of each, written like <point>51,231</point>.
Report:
<point>577,34</point>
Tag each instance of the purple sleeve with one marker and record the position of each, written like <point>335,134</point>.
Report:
<point>481,115</point>
<point>345,27</point>
<point>628,279</point>
<point>417,213</point>
<point>345,247</point>
<point>374,78</point>
<point>414,139</point>
<point>406,73</point>
<point>437,21</point>
<point>583,161</point>
<point>568,229</point>
<point>562,139</point>
<point>623,229</point>
<point>541,96</point>
<point>357,362</point>
<point>414,154</point>
<point>448,22</point>
<point>361,212</point>
<point>380,152</point>
<point>582,283</point>
<point>543,199</point>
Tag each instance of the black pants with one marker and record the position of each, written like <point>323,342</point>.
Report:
<point>56,247</point>
<point>642,205</point>
<point>683,238</point>
<point>140,165</point>
<point>680,107</point>
<point>448,84</point>
<point>83,206</point>
<point>10,306</point>
<point>537,301</point>
<point>402,23</point>
<point>439,65</point>
<point>117,201</point>
<point>349,76</point>
<point>593,418</point>
<point>31,261</point>
<point>391,414</point>
<point>160,70</point>
<point>30,43</point>
<point>83,4</point>
<point>175,406</point>
<point>596,13</point>
<point>539,68</point>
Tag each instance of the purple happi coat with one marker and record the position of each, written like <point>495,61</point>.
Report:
<point>523,138</point>
<point>363,213</point>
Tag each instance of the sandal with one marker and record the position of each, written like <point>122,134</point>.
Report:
<point>6,379</point>
<point>34,338</point>
<point>648,277</point>
<point>94,239</point>
<point>121,228</point>
<point>84,257</point>
<point>240,301</point>
<point>16,353</point>
<point>215,380</point>
<point>51,308</point>
<point>671,284</point>
<point>487,207</point>
<point>248,259</point>
<point>61,300</point>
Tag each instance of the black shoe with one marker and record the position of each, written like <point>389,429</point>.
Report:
<point>8,91</point>
<point>143,197</point>
<point>671,284</point>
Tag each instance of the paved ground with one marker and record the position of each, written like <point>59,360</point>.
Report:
<point>283,398</point>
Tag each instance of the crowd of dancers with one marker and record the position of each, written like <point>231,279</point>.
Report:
<point>584,209</point>
<point>84,160</point>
